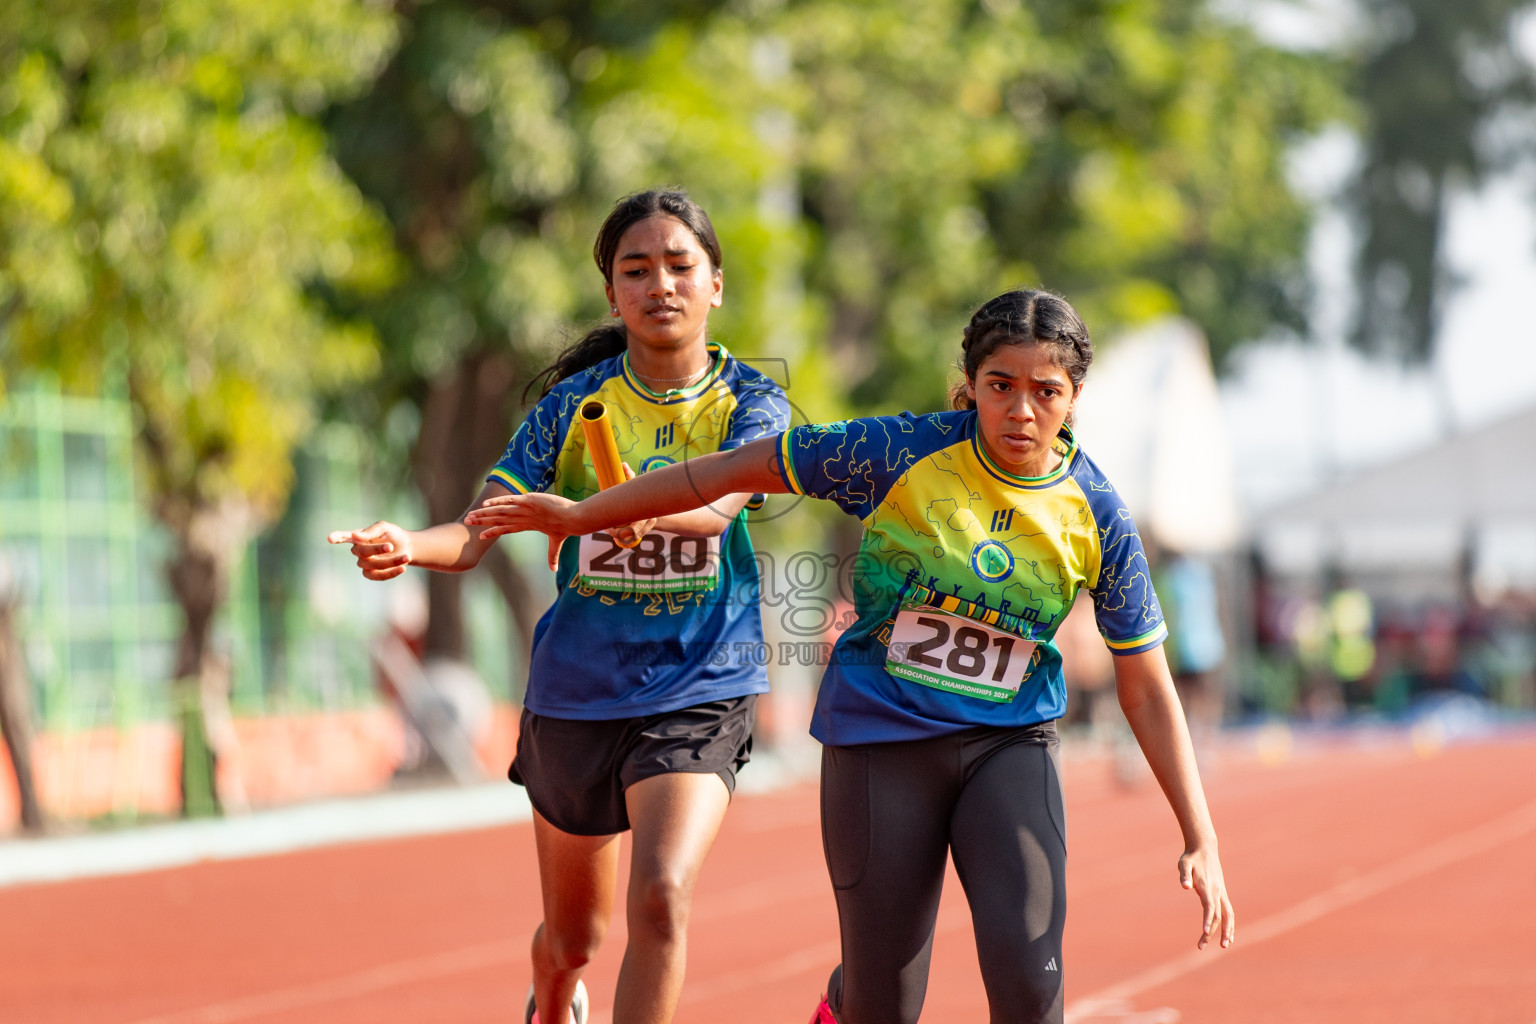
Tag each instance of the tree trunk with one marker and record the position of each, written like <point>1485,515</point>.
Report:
<point>464,429</point>
<point>16,711</point>
<point>206,539</point>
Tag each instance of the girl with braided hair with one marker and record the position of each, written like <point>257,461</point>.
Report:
<point>937,713</point>
<point>611,742</point>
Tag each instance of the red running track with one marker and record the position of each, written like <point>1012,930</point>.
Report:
<point>1373,883</point>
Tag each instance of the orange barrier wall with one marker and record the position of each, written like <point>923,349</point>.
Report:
<point>278,759</point>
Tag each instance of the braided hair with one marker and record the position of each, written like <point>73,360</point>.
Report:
<point>609,339</point>
<point>1023,317</point>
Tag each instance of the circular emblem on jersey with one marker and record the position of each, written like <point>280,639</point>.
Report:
<point>991,561</point>
<point>654,462</point>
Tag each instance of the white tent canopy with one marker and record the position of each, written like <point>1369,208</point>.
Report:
<point>1151,417</point>
<point>1423,508</point>
<point>1475,478</point>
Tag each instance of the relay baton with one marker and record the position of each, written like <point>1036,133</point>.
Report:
<point>598,430</point>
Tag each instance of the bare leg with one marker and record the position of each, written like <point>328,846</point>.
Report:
<point>675,818</point>
<point>578,876</point>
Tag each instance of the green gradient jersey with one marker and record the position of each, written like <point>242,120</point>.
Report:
<point>670,623</point>
<point>964,573</point>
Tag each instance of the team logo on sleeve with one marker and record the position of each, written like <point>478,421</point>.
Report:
<point>991,561</point>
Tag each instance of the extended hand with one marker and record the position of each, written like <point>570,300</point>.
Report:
<point>516,513</point>
<point>1200,870</point>
<point>383,550</point>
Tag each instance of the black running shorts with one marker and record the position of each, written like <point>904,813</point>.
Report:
<point>576,772</point>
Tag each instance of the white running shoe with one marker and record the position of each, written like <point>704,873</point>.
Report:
<point>578,1006</point>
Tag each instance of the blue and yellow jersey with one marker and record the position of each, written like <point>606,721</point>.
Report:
<point>662,626</point>
<point>964,573</point>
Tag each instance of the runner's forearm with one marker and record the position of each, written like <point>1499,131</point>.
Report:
<point>1151,706</point>
<point>447,547</point>
<point>688,487</point>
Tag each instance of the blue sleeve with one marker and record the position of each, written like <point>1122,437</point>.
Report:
<point>528,464</point>
<point>1124,602</point>
<point>851,462</point>
<point>761,411</point>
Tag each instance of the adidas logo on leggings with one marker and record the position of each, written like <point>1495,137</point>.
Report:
<point>1052,965</point>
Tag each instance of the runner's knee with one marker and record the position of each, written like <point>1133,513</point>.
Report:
<point>660,904</point>
<point>571,948</point>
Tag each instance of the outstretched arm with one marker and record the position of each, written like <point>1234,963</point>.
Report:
<point>673,490</point>
<point>384,550</point>
<point>1151,706</point>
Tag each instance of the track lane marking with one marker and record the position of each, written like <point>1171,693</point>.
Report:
<point>375,979</point>
<point>753,895</point>
<point>1444,853</point>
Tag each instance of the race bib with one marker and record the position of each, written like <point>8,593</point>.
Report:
<point>660,563</point>
<point>954,653</point>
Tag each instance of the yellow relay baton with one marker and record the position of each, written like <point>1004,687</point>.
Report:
<point>598,430</point>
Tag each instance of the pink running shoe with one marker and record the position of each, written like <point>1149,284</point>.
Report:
<point>823,1014</point>
<point>578,1007</point>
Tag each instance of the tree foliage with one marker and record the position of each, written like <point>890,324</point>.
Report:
<point>169,215</point>
<point>166,202</point>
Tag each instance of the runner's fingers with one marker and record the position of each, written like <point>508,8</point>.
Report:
<point>373,534</point>
<point>486,514</point>
<point>1210,906</point>
<point>383,561</point>
<point>370,535</point>
<point>554,552</point>
<point>502,524</point>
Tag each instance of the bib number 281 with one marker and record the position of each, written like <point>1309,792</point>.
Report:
<point>950,652</point>
<point>661,562</point>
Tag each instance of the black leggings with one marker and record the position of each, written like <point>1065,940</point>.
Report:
<point>889,814</point>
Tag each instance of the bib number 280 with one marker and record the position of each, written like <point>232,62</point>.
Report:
<point>660,563</point>
<point>950,652</point>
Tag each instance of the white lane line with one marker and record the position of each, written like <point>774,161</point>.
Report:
<point>1448,851</point>
<point>347,986</point>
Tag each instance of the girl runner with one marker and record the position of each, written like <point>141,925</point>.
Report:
<point>647,732</point>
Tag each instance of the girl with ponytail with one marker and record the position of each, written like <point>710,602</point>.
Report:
<point>639,706</point>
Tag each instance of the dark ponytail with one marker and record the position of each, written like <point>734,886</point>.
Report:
<point>609,339</point>
<point>602,342</point>
<point>1023,317</point>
